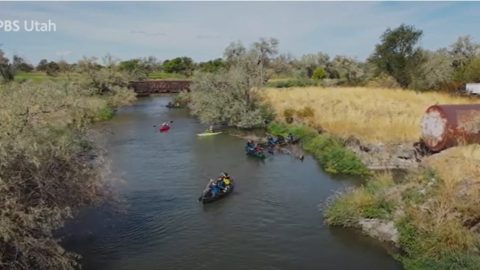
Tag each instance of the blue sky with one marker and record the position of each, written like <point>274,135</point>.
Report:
<point>202,30</point>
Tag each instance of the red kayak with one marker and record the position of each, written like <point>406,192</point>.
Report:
<point>164,128</point>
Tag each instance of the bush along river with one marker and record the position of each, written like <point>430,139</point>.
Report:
<point>273,219</point>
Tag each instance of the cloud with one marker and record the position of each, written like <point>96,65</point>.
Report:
<point>208,36</point>
<point>203,30</point>
<point>63,53</point>
<point>148,34</point>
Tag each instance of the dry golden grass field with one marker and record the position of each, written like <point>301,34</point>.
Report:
<point>370,114</point>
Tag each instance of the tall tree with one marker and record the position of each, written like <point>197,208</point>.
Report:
<point>347,69</point>
<point>398,54</point>
<point>42,65</point>
<point>436,72</point>
<point>7,71</point>
<point>183,65</point>
<point>463,51</point>
<point>234,51</point>
<point>309,62</point>
<point>265,48</point>
<point>19,64</point>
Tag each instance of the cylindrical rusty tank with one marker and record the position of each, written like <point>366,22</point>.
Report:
<point>445,126</point>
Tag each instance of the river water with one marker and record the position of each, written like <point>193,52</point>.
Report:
<point>273,220</point>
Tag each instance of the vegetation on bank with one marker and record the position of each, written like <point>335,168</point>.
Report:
<point>369,114</point>
<point>228,96</point>
<point>435,211</point>
<point>328,150</point>
<point>49,167</point>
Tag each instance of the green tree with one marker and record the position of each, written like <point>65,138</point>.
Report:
<point>347,69</point>
<point>102,80</point>
<point>19,64</point>
<point>224,98</point>
<point>42,65</point>
<point>472,71</point>
<point>463,51</point>
<point>182,65</point>
<point>212,65</point>
<point>397,54</point>
<point>228,97</point>
<point>282,65</point>
<point>309,62</point>
<point>319,74</point>
<point>64,66</point>
<point>436,72</point>
<point>52,68</point>
<point>140,68</point>
<point>7,71</point>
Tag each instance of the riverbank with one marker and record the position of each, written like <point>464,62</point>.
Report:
<point>50,167</point>
<point>431,214</point>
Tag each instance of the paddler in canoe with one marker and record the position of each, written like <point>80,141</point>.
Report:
<point>217,189</point>
<point>165,126</point>
<point>209,132</point>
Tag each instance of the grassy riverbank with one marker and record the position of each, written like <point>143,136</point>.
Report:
<point>432,214</point>
<point>328,150</point>
<point>49,166</point>
<point>435,211</point>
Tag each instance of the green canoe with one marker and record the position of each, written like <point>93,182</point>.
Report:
<point>208,134</point>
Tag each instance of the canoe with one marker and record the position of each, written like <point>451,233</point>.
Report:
<point>208,134</point>
<point>257,154</point>
<point>164,128</point>
<point>220,195</point>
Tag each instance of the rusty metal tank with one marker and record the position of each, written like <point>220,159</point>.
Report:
<point>445,126</point>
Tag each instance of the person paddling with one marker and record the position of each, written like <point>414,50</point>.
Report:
<point>165,126</point>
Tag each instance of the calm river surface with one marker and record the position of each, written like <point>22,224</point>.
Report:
<point>273,220</point>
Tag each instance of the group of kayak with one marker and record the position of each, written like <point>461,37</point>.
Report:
<point>217,188</point>
<point>224,185</point>
<point>256,150</point>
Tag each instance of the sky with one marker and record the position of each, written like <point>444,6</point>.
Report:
<point>202,30</point>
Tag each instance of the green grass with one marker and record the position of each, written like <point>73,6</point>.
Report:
<point>159,75</point>
<point>285,83</point>
<point>105,113</point>
<point>31,76</point>
<point>437,249</point>
<point>429,238</point>
<point>328,150</point>
<point>366,201</point>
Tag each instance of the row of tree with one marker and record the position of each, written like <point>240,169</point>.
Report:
<point>397,60</point>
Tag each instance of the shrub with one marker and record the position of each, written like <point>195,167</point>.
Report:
<point>306,112</point>
<point>383,81</point>
<point>105,113</point>
<point>319,74</point>
<point>288,115</point>
<point>48,168</point>
<point>292,83</point>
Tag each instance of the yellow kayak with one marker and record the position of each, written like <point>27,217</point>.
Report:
<point>208,133</point>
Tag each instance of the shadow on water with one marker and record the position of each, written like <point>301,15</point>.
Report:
<point>271,221</point>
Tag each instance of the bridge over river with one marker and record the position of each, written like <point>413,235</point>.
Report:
<point>148,87</point>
